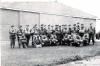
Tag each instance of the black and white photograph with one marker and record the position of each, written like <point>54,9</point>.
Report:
<point>50,32</point>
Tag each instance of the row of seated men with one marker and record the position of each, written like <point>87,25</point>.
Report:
<point>60,35</point>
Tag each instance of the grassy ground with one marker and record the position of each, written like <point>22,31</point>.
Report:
<point>45,56</point>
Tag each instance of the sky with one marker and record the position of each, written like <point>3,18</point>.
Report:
<point>89,6</point>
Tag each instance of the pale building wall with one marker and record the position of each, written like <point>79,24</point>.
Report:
<point>11,17</point>
<point>27,18</point>
<point>54,19</point>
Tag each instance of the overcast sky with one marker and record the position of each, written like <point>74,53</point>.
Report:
<point>89,6</point>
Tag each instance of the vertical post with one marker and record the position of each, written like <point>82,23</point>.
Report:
<point>18,18</point>
<point>39,21</point>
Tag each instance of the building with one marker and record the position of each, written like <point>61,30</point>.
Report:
<point>23,13</point>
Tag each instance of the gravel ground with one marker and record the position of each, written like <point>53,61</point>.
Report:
<point>45,56</point>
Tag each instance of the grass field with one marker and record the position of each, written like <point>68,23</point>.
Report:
<point>46,56</point>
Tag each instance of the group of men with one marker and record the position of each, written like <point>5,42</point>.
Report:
<point>74,35</point>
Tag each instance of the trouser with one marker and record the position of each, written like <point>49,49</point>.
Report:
<point>18,42</point>
<point>85,42</point>
<point>81,34</point>
<point>28,38</point>
<point>24,45</point>
<point>91,37</point>
<point>12,42</point>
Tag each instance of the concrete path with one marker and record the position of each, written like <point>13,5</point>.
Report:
<point>94,61</point>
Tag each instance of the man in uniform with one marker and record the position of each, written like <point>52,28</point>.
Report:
<point>32,31</point>
<point>91,33</point>
<point>27,34</point>
<point>82,31</point>
<point>49,32</point>
<point>53,39</point>
<point>78,27</point>
<point>69,29</point>
<point>12,33</point>
<point>59,34</point>
<point>74,28</point>
<point>19,35</point>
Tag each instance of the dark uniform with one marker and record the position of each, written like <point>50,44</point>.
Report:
<point>69,29</point>
<point>49,31</point>
<point>85,39</point>
<point>37,40</point>
<point>74,28</point>
<point>19,35</point>
<point>82,31</point>
<point>78,28</point>
<point>77,40</point>
<point>91,33</point>
<point>27,34</point>
<point>32,31</point>
<point>12,33</point>
<point>53,39</point>
<point>23,40</point>
<point>59,35</point>
<point>65,40</point>
<point>45,40</point>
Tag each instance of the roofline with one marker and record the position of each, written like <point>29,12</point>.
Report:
<point>45,13</point>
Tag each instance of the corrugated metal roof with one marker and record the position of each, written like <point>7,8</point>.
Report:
<point>47,7</point>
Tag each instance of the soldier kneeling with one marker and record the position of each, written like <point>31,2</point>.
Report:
<point>23,41</point>
<point>70,40</point>
<point>53,39</point>
<point>65,40</point>
<point>77,40</point>
<point>45,40</point>
<point>86,39</point>
<point>37,42</point>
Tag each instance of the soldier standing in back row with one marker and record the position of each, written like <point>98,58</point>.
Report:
<point>12,33</point>
<point>32,33</point>
<point>19,35</point>
<point>78,27</point>
<point>91,33</point>
<point>69,29</point>
<point>27,34</point>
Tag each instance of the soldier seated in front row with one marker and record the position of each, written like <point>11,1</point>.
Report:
<point>45,40</point>
<point>37,42</point>
<point>65,40</point>
<point>77,40</point>
<point>23,41</point>
<point>53,39</point>
<point>86,39</point>
<point>70,39</point>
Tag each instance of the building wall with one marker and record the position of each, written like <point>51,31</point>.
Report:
<point>27,18</point>
<point>54,19</point>
<point>11,17</point>
<point>8,17</point>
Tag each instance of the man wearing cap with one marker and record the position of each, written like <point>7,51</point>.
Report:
<point>82,31</point>
<point>78,27</point>
<point>19,35</point>
<point>91,33</point>
<point>69,29</point>
<point>27,34</point>
<point>32,33</point>
<point>59,34</point>
<point>74,28</point>
<point>12,32</point>
<point>49,31</point>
